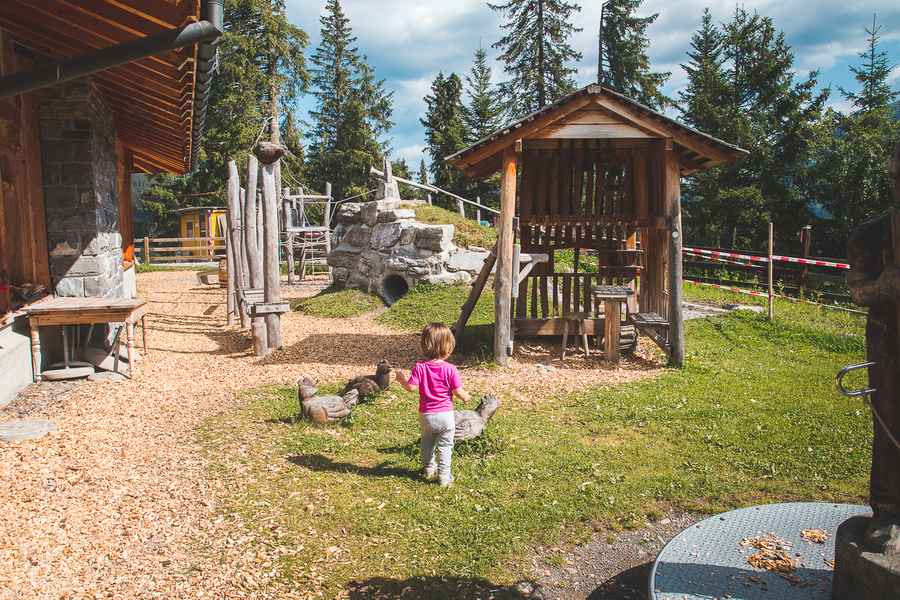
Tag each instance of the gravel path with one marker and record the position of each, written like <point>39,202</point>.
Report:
<point>117,503</point>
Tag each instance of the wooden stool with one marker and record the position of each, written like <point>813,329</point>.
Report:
<point>581,329</point>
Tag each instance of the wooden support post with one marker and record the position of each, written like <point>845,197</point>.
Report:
<point>327,224</point>
<point>672,198</point>
<point>235,226</point>
<point>804,268</point>
<point>272,285</point>
<point>771,271</point>
<point>472,300</point>
<point>252,215</point>
<point>147,250</point>
<point>245,259</point>
<point>229,278</point>
<point>504,276</point>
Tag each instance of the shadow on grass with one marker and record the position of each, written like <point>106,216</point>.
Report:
<point>319,463</point>
<point>438,588</point>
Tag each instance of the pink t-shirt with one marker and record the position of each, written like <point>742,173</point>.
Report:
<point>436,381</point>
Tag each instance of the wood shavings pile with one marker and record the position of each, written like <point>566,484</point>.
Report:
<point>119,502</point>
<point>773,555</point>
<point>815,535</point>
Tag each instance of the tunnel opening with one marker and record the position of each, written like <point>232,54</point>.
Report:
<point>393,287</point>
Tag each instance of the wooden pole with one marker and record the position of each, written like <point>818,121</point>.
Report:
<point>503,277</point>
<point>771,283</point>
<point>235,226</point>
<point>804,270</point>
<point>287,220</point>
<point>229,278</point>
<point>272,284</point>
<point>245,258</point>
<point>461,209</point>
<point>427,194</point>
<point>672,191</point>
<point>147,250</point>
<point>478,210</point>
<point>252,214</point>
<point>327,224</point>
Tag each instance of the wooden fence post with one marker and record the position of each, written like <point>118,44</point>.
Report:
<point>478,210</point>
<point>771,283</point>
<point>235,225</point>
<point>804,271</point>
<point>147,250</point>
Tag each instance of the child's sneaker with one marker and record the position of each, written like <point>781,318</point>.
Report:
<point>445,480</point>
<point>429,472</point>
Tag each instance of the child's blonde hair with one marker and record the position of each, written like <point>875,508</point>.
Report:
<point>437,341</point>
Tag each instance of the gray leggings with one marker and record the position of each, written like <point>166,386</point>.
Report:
<point>437,434</point>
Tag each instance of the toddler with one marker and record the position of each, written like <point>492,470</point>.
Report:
<point>437,381</point>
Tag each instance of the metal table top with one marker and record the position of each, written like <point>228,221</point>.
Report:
<point>707,560</point>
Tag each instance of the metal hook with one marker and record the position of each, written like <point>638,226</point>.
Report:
<point>862,392</point>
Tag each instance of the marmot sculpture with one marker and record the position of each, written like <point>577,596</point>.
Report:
<point>269,152</point>
<point>471,423</point>
<point>369,384</point>
<point>325,409</point>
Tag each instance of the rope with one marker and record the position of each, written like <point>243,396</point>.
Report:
<point>865,398</point>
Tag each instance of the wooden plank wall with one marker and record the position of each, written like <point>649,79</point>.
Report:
<point>23,228</point>
<point>594,201</point>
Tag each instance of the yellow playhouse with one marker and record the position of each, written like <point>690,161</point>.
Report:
<point>202,222</point>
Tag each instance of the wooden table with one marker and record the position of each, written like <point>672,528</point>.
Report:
<point>75,311</point>
<point>612,297</point>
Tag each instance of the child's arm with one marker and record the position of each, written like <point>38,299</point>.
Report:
<point>461,394</point>
<point>404,383</point>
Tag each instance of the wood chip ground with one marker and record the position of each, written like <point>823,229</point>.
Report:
<point>118,504</point>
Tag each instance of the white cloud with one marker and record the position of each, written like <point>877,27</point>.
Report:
<point>410,41</point>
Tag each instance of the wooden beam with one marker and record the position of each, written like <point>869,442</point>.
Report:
<point>469,162</point>
<point>660,130</point>
<point>503,279</point>
<point>672,193</point>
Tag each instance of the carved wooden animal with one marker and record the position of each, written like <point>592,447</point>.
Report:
<point>471,423</point>
<point>269,152</point>
<point>369,384</point>
<point>325,409</point>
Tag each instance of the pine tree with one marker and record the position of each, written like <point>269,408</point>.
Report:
<point>482,116</point>
<point>741,89</point>
<point>623,64</point>
<point>352,110</point>
<point>445,134</point>
<point>850,169</point>
<point>536,53</point>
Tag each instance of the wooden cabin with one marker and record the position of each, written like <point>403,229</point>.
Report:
<point>597,174</point>
<point>201,221</point>
<point>90,92</point>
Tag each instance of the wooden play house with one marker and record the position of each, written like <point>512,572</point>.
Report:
<point>201,222</point>
<point>597,174</point>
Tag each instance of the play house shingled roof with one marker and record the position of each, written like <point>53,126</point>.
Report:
<point>597,112</point>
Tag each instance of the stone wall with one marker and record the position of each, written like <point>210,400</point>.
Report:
<point>81,197</point>
<point>381,249</point>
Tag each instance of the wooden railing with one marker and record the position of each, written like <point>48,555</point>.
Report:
<point>169,250</point>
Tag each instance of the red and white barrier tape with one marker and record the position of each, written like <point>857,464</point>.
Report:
<point>766,295</point>
<point>725,260</point>
<point>806,261</point>
<point>717,253</point>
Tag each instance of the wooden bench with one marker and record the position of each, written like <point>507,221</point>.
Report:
<point>254,304</point>
<point>654,326</point>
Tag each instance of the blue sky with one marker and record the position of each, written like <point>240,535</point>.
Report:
<point>410,41</point>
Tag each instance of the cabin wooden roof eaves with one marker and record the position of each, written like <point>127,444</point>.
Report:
<point>698,151</point>
<point>152,99</point>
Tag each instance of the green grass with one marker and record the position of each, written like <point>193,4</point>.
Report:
<point>466,232</point>
<point>752,417</point>
<point>151,268</point>
<point>336,302</point>
<point>443,303</point>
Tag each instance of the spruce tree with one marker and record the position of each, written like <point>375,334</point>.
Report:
<point>445,134</point>
<point>536,52</point>
<point>741,89</point>
<point>482,116</point>
<point>352,110</point>
<point>623,64</point>
<point>850,169</point>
